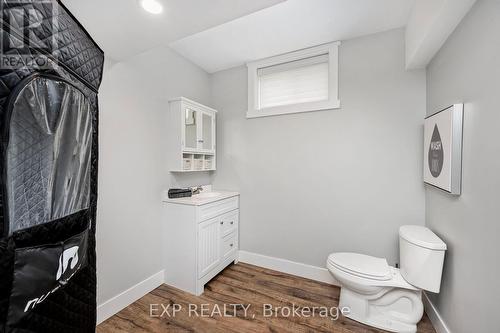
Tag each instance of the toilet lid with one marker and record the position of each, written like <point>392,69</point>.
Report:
<point>361,265</point>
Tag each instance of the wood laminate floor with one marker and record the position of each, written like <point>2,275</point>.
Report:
<point>251,286</point>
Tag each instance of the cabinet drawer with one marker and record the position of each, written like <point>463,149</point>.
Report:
<point>217,208</point>
<point>229,245</point>
<point>229,222</point>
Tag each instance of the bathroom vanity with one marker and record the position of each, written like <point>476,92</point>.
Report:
<point>200,237</point>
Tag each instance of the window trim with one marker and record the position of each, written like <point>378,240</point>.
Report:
<point>333,102</point>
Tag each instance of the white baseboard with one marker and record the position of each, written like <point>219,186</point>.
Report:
<point>129,296</point>
<point>436,319</point>
<point>290,267</point>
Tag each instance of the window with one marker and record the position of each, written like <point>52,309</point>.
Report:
<point>301,81</point>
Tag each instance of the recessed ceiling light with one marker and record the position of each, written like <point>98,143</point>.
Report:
<point>152,6</point>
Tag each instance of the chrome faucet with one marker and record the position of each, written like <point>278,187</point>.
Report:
<point>197,190</point>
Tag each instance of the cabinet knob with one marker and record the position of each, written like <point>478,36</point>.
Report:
<point>232,222</point>
<point>231,244</point>
<point>221,222</point>
<point>200,141</point>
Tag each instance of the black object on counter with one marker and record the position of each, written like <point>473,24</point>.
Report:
<point>179,193</point>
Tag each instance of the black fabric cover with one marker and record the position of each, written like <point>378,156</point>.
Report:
<point>66,287</point>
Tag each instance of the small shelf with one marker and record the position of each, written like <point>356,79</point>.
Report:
<point>199,152</point>
<point>187,171</point>
<point>193,162</point>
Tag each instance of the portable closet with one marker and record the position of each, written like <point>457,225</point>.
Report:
<point>50,74</point>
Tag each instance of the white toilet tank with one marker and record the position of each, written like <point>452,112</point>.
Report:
<point>421,255</point>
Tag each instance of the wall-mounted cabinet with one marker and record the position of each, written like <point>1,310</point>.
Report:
<point>191,136</point>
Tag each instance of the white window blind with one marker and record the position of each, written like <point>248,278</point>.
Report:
<point>295,82</point>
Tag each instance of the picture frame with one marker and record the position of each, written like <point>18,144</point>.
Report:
<point>443,137</point>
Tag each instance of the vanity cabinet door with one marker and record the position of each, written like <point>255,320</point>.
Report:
<point>208,246</point>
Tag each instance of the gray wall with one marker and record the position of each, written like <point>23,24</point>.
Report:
<point>132,163</point>
<point>336,180</point>
<point>467,69</point>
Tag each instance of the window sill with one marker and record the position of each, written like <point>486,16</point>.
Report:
<point>294,108</point>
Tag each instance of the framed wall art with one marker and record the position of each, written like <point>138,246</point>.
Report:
<point>443,133</point>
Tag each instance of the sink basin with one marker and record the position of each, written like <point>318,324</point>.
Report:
<point>206,195</point>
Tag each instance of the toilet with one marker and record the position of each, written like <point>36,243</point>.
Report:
<point>386,297</point>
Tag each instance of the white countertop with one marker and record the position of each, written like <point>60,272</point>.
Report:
<point>205,197</point>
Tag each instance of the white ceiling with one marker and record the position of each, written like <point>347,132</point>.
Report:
<point>288,26</point>
<point>123,29</point>
<point>220,34</point>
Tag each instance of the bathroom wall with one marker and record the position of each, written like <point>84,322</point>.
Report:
<point>132,162</point>
<point>467,69</point>
<point>336,180</point>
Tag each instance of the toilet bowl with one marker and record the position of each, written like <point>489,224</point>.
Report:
<point>386,297</point>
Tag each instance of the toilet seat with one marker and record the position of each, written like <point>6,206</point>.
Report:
<point>366,271</point>
<point>361,265</point>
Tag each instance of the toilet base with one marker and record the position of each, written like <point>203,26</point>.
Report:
<point>393,309</point>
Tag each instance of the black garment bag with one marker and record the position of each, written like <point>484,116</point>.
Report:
<point>50,72</point>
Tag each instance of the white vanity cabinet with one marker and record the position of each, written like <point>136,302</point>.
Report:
<point>200,238</point>
<point>191,136</point>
